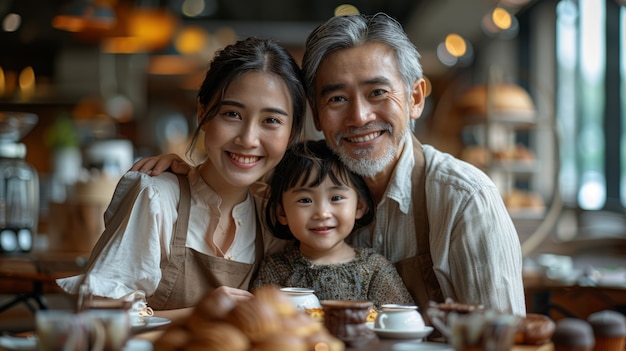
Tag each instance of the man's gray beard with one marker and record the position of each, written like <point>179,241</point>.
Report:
<point>364,166</point>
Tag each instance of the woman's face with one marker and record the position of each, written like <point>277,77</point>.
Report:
<point>250,133</point>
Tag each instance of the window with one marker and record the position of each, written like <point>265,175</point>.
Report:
<point>590,79</point>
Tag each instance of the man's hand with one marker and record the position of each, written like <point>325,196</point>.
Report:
<point>155,165</point>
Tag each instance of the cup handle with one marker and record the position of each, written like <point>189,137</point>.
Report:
<point>440,324</point>
<point>382,320</point>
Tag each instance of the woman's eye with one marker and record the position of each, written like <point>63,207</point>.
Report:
<point>273,120</point>
<point>232,114</point>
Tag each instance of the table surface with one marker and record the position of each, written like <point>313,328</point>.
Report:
<point>377,345</point>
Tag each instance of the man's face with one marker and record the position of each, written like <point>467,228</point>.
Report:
<point>363,107</point>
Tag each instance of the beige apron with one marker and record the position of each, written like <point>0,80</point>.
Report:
<point>188,274</point>
<point>417,272</point>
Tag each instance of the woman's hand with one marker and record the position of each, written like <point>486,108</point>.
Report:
<point>232,293</point>
<point>155,165</point>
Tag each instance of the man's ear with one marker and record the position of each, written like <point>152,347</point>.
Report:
<point>361,208</point>
<point>417,98</point>
<point>280,213</point>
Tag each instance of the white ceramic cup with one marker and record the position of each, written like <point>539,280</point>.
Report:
<point>302,298</point>
<point>66,330</point>
<point>115,323</point>
<point>399,317</point>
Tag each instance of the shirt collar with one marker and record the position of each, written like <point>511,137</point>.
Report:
<point>399,189</point>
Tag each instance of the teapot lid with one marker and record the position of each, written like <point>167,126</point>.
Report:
<point>12,150</point>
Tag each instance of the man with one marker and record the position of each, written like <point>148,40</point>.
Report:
<point>440,220</point>
<point>365,86</point>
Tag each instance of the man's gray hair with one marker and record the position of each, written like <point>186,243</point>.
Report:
<point>343,32</point>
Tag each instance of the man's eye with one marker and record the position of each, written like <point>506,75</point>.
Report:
<point>378,92</point>
<point>337,99</point>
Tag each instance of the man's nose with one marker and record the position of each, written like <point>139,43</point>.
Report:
<point>361,112</point>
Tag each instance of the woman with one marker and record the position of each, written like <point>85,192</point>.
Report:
<point>250,108</point>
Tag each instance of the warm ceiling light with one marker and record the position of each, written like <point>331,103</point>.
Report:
<point>501,18</point>
<point>346,10</point>
<point>123,45</point>
<point>455,44</point>
<point>27,81</point>
<point>3,82</point>
<point>191,40</point>
<point>85,14</point>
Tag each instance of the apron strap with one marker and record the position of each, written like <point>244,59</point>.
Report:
<point>171,268</point>
<point>417,272</point>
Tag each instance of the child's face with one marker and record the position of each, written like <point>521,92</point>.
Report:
<point>321,217</point>
<point>250,133</point>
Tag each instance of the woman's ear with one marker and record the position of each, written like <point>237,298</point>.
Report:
<point>361,208</point>
<point>280,213</point>
<point>201,111</point>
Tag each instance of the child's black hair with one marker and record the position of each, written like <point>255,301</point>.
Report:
<point>311,161</point>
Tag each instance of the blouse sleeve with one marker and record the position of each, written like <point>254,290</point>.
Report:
<point>138,229</point>
<point>386,286</point>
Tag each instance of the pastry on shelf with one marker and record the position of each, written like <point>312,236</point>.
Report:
<point>518,201</point>
<point>517,153</point>
<point>477,155</point>
<point>501,98</point>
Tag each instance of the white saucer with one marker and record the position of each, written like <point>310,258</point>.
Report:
<point>421,346</point>
<point>399,334</point>
<point>151,322</point>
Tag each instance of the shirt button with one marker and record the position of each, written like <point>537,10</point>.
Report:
<point>379,239</point>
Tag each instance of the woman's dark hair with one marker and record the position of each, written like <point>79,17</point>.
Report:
<point>252,55</point>
<point>312,162</point>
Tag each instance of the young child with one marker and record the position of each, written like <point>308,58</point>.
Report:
<point>315,199</point>
<point>178,238</point>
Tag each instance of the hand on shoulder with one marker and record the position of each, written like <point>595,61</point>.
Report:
<point>155,165</point>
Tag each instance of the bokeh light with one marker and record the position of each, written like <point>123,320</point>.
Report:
<point>455,44</point>
<point>11,22</point>
<point>346,10</point>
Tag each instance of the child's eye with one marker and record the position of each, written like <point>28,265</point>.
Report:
<point>305,201</point>
<point>337,198</point>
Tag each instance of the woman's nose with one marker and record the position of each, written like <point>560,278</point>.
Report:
<point>248,136</point>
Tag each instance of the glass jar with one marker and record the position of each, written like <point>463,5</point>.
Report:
<point>19,199</point>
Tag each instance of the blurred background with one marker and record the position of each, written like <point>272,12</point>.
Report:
<point>531,91</point>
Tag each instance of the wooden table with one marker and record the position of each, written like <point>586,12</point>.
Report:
<point>379,345</point>
<point>29,276</point>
